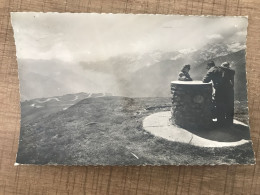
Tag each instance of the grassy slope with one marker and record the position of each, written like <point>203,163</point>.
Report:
<point>108,130</point>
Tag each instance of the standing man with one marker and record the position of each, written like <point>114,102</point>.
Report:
<point>227,87</point>
<point>223,98</point>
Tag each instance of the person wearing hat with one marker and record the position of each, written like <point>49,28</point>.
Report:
<point>227,88</point>
<point>214,74</point>
<point>222,78</point>
<point>184,74</point>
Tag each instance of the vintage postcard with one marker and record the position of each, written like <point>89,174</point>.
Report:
<point>127,89</point>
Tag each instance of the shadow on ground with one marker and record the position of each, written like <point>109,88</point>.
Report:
<point>233,133</point>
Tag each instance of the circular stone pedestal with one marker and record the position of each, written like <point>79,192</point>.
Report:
<point>191,104</point>
<point>159,125</point>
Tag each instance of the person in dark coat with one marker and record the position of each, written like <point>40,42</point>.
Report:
<point>184,74</point>
<point>227,88</point>
<point>223,83</point>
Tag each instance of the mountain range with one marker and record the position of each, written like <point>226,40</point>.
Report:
<point>130,75</point>
<point>155,80</point>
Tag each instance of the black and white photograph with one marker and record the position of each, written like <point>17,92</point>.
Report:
<point>132,89</point>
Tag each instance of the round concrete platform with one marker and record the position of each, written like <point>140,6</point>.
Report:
<point>159,125</point>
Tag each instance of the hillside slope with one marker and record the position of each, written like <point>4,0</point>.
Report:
<point>41,107</point>
<point>108,131</point>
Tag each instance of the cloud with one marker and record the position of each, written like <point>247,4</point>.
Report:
<point>92,37</point>
<point>187,50</point>
<point>53,45</point>
<point>242,33</point>
<point>234,47</point>
<point>215,36</point>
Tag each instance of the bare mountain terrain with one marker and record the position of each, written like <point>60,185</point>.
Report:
<point>155,73</point>
<point>130,75</point>
<point>154,81</point>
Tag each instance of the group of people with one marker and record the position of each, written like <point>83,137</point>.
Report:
<point>222,78</point>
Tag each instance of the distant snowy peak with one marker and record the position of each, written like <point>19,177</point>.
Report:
<point>47,99</point>
<point>211,51</point>
<point>205,53</point>
<point>234,47</point>
<point>132,62</point>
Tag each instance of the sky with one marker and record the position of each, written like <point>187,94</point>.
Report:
<point>51,47</point>
<point>90,37</point>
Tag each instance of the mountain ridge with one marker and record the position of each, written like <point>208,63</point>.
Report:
<point>119,77</point>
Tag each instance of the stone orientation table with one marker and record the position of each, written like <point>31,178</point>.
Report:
<point>191,104</point>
